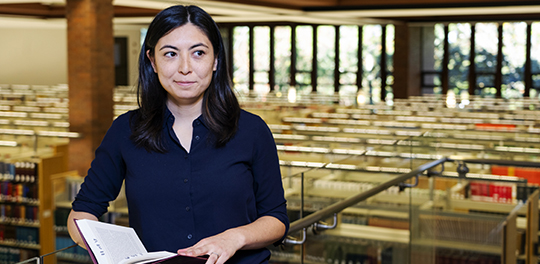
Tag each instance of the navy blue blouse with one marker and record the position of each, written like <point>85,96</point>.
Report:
<point>177,198</point>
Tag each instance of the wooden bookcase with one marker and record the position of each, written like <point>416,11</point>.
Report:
<point>47,165</point>
<point>47,234</point>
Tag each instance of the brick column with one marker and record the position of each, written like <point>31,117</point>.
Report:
<point>90,76</point>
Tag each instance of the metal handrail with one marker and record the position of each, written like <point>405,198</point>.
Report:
<point>39,260</point>
<point>327,212</point>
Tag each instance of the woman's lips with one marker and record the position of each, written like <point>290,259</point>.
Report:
<point>184,82</point>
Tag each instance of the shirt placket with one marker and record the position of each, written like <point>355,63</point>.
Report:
<point>196,137</point>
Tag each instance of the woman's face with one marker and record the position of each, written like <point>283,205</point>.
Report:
<point>184,62</point>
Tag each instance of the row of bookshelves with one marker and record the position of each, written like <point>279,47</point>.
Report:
<point>21,235</point>
<point>445,256</point>
<point>493,192</point>
<point>32,115</point>
<point>19,210</point>
<point>46,104</point>
<point>423,103</point>
<point>18,92</point>
<point>72,255</point>
<point>18,171</point>
<point>487,190</point>
<point>18,193</point>
<point>10,255</point>
<point>319,252</point>
<point>18,213</point>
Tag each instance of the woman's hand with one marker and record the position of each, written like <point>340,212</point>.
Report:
<point>221,247</point>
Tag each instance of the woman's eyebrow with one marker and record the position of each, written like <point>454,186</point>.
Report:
<point>198,45</point>
<point>169,46</point>
<point>192,47</point>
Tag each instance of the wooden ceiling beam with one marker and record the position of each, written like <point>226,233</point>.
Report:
<point>416,3</point>
<point>287,4</point>
<point>468,18</point>
<point>58,11</point>
<point>33,9</point>
<point>379,4</point>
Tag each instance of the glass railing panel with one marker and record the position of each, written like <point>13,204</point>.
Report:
<point>439,237</point>
<point>474,142</point>
<point>375,228</point>
<point>304,197</point>
<point>467,220</point>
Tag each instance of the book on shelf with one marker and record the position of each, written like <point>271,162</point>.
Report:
<point>114,244</point>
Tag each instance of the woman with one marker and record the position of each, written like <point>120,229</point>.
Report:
<point>201,175</point>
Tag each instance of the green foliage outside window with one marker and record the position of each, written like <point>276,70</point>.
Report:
<point>241,59</point>
<point>326,53</point>
<point>282,60</point>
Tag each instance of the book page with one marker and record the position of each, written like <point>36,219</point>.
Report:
<point>148,258</point>
<point>110,243</point>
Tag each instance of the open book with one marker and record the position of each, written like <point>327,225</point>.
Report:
<point>113,244</point>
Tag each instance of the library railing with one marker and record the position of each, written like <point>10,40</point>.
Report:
<point>34,136</point>
<point>426,215</point>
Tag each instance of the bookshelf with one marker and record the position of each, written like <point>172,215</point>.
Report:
<point>27,210</point>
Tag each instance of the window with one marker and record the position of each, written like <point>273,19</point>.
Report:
<point>326,54</point>
<point>348,64</point>
<point>261,58</point>
<point>499,65</point>
<point>487,41</point>
<point>282,58</point>
<point>459,40</point>
<point>431,55</point>
<point>304,59</point>
<point>241,59</point>
<point>514,55</point>
<point>371,54</point>
<point>348,59</point>
<point>535,59</point>
<point>389,44</point>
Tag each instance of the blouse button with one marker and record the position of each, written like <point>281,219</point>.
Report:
<point>187,208</point>
<point>197,137</point>
<point>189,236</point>
<point>185,180</point>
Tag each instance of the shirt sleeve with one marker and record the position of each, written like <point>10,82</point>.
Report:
<point>268,186</point>
<point>104,180</point>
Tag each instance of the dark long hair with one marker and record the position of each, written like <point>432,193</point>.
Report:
<point>220,107</point>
